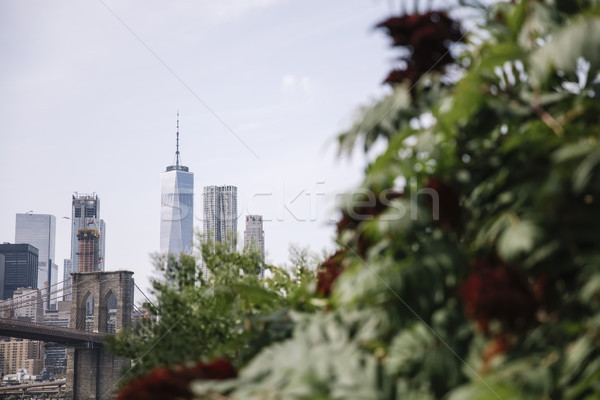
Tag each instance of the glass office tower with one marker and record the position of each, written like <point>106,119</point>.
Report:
<point>20,267</point>
<point>177,207</point>
<point>39,230</point>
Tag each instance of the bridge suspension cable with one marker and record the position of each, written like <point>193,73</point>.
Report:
<point>46,288</point>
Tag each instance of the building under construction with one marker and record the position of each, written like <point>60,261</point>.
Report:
<point>89,246</point>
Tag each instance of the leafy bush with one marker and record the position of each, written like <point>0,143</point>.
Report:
<point>469,262</point>
<point>470,253</point>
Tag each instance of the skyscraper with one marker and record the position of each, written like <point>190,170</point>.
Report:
<point>85,215</point>
<point>68,268</point>
<point>39,230</point>
<point>220,215</point>
<point>254,236</point>
<point>20,267</point>
<point>177,207</point>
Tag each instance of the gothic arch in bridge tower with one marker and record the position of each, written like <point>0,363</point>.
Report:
<point>108,312</point>
<point>102,286</point>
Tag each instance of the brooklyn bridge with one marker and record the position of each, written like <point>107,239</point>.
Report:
<point>92,372</point>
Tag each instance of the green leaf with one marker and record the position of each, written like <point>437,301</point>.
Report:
<point>584,171</point>
<point>581,38</point>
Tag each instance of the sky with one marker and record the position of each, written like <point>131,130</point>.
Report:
<point>89,92</point>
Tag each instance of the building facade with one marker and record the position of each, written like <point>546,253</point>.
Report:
<point>177,207</point>
<point>220,215</point>
<point>39,230</point>
<point>20,267</point>
<point>16,354</point>
<point>254,235</point>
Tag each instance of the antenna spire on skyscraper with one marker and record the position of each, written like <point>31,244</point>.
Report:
<point>177,145</point>
<point>177,165</point>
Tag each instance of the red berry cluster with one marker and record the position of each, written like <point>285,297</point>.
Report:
<point>165,383</point>
<point>328,273</point>
<point>494,291</point>
<point>428,38</point>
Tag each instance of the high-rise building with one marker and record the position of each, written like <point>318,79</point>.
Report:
<point>220,215</point>
<point>39,230</point>
<point>20,267</point>
<point>53,287</point>
<point>177,207</point>
<point>254,236</point>
<point>68,268</point>
<point>85,214</point>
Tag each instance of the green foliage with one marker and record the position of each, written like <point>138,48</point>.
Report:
<point>482,279</point>
<point>220,310</point>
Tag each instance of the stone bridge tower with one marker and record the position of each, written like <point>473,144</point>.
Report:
<point>92,372</point>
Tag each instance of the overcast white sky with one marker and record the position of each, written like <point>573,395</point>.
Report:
<point>89,92</point>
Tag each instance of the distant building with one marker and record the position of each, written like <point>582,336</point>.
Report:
<point>254,235</point>
<point>53,292</point>
<point>89,249</point>
<point>39,230</point>
<point>26,304</point>
<point>20,267</point>
<point>85,214</point>
<point>16,354</point>
<point>254,238</point>
<point>177,207</point>
<point>56,355</point>
<point>68,268</point>
<point>220,215</point>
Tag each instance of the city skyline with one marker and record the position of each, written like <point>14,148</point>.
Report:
<point>88,107</point>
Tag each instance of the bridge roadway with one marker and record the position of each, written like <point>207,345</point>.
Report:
<point>48,333</point>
